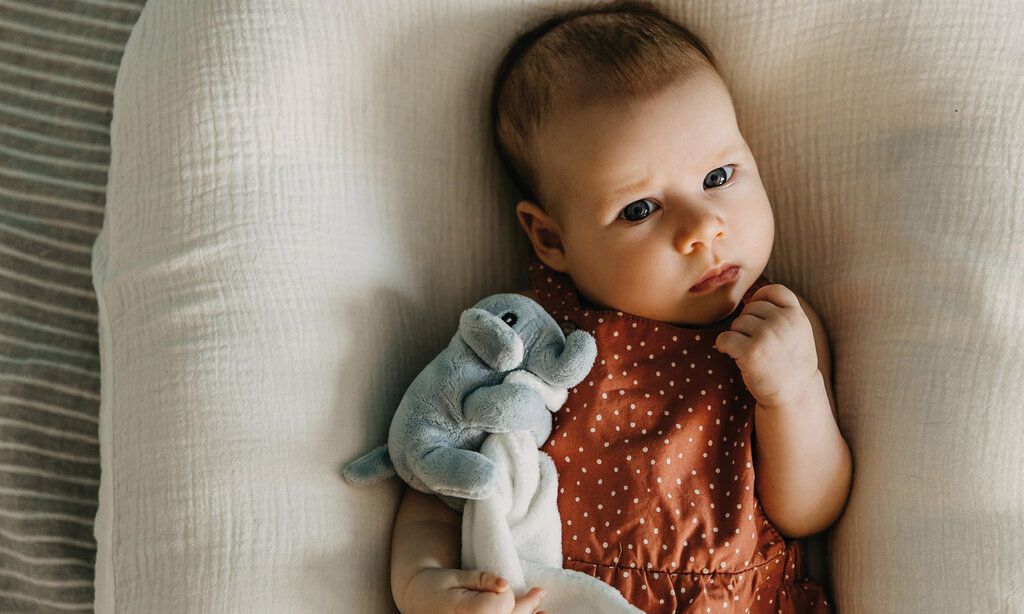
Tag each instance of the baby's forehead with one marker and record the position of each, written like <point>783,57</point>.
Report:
<point>603,143</point>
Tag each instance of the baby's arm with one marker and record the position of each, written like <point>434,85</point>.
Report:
<point>425,574</point>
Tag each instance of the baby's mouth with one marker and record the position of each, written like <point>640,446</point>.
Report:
<point>725,274</point>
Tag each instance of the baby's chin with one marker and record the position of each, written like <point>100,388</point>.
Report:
<point>702,312</point>
<point>718,316</point>
<point>706,313</point>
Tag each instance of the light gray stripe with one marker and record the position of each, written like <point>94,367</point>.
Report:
<point>36,589</point>
<point>17,601</point>
<point>40,473</point>
<point>28,111</point>
<point>61,40</point>
<point>51,268</point>
<point>50,286</point>
<point>58,61</point>
<point>47,485</point>
<point>19,412</point>
<point>11,345</point>
<point>58,57</point>
<point>36,515</point>
<point>18,235</point>
<point>32,271</point>
<point>31,173</point>
<point>36,495</point>
<point>27,310</point>
<point>40,560</point>
<point>74,321</point>
<point>100,148</point>
<point>56,100</point>
<point>61,430</point>
<point>27,329</point>
<point>50,298</point>
<point>28,117</point>
<point>132,7</point>
<point>47,368</point>
<point>46,384</point>
<point>25,157</point>
<point>59,209</point>
<point>40,542</point>
<point>45,77</point>
<point>56,567</point>
<point>41,450</point>
<point>65,17</point>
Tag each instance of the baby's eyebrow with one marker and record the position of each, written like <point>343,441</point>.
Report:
<point>614,196</point>
<point>736,147</point>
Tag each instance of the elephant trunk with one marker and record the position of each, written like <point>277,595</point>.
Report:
<point>568,368</point>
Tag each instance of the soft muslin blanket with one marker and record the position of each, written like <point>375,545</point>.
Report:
<point>517,533</point>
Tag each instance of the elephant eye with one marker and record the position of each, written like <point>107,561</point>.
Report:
<point>509,318</point>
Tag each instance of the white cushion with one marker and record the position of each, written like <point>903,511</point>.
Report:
<point>302,198</point>
<point>890,141</point>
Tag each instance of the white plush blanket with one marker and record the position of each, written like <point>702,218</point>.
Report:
<point>517,533</point>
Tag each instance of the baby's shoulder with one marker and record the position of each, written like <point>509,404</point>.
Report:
<point>527,293</point>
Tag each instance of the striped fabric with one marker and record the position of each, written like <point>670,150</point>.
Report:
<point>58,61</point>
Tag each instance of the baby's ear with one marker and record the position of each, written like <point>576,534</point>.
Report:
<point>544,233</point>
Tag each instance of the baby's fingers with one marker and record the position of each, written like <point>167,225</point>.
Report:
<point>482,581</point>
<point>528,603</point>
<point>468,601</point>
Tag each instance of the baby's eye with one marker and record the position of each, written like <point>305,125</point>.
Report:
<point>718,177</point>
<point>637,210</point>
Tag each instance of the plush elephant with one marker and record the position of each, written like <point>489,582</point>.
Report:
<point>506,369</point>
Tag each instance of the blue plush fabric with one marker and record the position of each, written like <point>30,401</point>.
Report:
<point>462,395</point>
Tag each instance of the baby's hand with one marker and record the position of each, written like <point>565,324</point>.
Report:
<point>453,591</point>
<point>772,343</point>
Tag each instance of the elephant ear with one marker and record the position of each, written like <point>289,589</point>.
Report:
<point>495,342</point>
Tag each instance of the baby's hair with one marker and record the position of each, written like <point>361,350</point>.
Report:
<point>623,51</point>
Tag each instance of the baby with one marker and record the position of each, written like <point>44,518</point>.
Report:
<point>651,229</point>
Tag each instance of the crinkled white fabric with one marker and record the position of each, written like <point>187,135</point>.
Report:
<point>302,199</point>
<point>517,532</point>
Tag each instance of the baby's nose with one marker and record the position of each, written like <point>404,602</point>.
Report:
<point>702,230</point>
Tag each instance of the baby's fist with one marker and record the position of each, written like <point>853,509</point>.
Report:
<point>437,590</point>
<point>772,343</point>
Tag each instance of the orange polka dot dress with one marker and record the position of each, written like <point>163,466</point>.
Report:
<point>655,468</point>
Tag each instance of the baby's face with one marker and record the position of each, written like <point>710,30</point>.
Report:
<point>637,217</point>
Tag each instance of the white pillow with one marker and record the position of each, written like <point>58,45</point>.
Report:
<point>292,227</point>
<point>302,198</point>
<point>890,141</point>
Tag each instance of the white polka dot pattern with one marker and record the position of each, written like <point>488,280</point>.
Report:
<point>655,463</point>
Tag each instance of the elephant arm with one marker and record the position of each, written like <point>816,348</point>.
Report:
<point>506,408</point>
